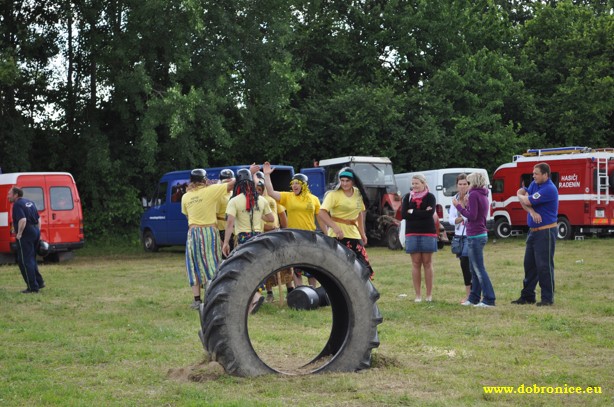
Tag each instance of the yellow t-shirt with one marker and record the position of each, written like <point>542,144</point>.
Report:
<point>337,204</point>
<point>300,212</point>
<point>221,211</point>
<point>200,205</point>
<point>274,208</point>
<point>236,208</point>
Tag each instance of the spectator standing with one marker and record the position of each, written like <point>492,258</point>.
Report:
<point>460,230</point>
<point>27,235</point>
<point>541,201</point>
<point>475,208</point>
<point>418,208</point>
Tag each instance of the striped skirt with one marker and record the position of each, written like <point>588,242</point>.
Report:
<point>203,251</point>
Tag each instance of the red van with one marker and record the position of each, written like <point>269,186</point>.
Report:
<point>59,206</point>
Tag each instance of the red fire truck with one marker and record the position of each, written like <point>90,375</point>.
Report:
<point>584,177</point>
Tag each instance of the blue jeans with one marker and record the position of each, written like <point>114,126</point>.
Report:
<point>480,282</point>
<point>539,265</point>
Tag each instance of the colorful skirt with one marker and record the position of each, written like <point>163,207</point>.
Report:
<point>203,251</point>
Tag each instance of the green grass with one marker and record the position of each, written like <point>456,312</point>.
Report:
<point>113,327</point>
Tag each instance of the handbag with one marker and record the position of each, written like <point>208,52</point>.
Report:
<point>457,244</point>
<point>458,241</point>
<point>402,233</point>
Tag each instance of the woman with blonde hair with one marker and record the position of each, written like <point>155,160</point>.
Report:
<point>418,207</point>
<point>475,208</point>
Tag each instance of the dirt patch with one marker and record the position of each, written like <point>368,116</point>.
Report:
<point>201,372</point>
<point>379,360</point>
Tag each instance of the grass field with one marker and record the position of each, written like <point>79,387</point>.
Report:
<point>113,327</point>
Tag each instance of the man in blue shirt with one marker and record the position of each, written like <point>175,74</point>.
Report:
<point>541,201</point>
<point>27,234</point>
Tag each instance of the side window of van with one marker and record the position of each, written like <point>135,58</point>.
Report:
<point>160,196</point>
<point>178,189</point>
<point>61,199</point>
<point>497,186</point>
<point>449,184</point>
<point>526,180</point>
<point>36,195</point>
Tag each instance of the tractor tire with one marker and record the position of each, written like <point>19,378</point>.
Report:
<point>392,238</point>
<point>355,314</point>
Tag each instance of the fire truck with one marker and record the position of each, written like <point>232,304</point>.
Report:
<point>585,180</point>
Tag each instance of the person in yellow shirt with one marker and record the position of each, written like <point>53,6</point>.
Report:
<point>246,213</point>
<point>285,276</point>
<point>203,246</point>
<point>226,175</point>
<point>301,206</point>
<point>343,212</point>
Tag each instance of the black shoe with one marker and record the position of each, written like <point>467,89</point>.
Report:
<point>28,291</point>
<point>522,301</point>
<point>545,304</point>
<point>41,286</point>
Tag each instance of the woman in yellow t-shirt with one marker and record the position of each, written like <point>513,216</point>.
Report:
<point>301,205</point>
<point>343,211</point>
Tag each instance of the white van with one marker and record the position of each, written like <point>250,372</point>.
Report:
<point>442,184</point>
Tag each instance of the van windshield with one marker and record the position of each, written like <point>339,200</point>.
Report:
<point>375,174</point>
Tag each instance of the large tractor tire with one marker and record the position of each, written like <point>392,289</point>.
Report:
<point>392,238</point>
<point>355,314</point>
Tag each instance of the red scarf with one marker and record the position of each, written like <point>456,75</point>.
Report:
<point>418,196</point>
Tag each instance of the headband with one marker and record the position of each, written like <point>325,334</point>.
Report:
<point>346,174</point>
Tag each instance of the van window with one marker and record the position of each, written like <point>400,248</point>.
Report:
<point>528,178</point>
<point>497,186</point>
<point>449,184</point>
<point>61,198</point>
<point>178,188</point>
<point>35,194</point>
<point>160,195</point>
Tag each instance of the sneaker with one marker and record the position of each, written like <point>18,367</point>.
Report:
<point>467,303</point>
<point>270,298</point>
<point>418,299</point>
<point>522,301</point>
<point>545,304</point>
<point>257,305</point>
<point>429,299</point>
<point>483,305</point>
<point>195,304</point>
<point>28,291</point>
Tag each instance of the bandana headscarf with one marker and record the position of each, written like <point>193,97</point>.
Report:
<point>305,192</point>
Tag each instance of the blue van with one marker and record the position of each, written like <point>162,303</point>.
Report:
<point>163,224</point>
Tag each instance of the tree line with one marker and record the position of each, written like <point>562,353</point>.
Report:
<point>118,92</point>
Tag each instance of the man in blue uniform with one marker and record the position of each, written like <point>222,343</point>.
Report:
<point>541,201</point>
<point>27,229</point>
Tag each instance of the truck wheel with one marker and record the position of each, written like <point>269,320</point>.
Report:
<point>355,315</point>
<point>503,229</point>
<point>564,231</point>
<point>392,238</point>
<point>149,242</point>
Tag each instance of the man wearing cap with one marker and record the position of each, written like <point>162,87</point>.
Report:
<point>203,248</point>
<point>27,235</point>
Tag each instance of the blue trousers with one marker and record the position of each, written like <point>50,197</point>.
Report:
<point>481,287</point>
<point>26,258</point>
<point>539,265</point>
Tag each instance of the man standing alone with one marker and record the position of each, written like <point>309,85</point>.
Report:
<point>541,201</point>
<point>27,235</point>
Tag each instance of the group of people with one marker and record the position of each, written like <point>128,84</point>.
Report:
<point>468,212</point>
<point>245,205</point>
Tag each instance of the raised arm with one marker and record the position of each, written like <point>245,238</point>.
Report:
<point>267,170</point>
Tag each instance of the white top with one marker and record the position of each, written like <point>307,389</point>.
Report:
<point>460,229</point>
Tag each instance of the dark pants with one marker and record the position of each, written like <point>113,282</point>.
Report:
<point>357,247</point>
<point>26,258</point>
<point>464,263</point>
<point>539,265</point>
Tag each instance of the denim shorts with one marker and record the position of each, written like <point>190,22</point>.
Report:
<point>420,244</point>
